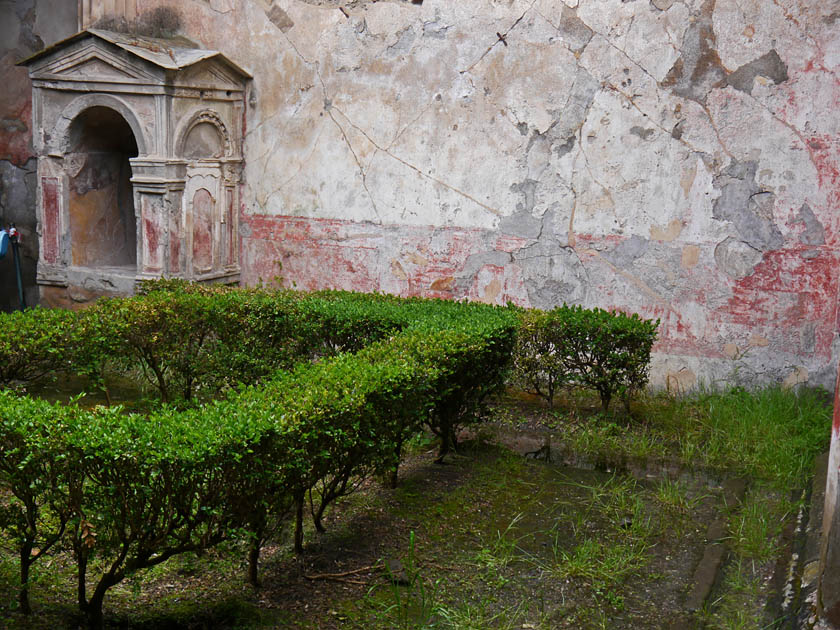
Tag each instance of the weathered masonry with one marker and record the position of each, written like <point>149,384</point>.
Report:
<point>139,145</point>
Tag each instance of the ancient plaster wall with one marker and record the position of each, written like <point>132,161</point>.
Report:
<point>26,26</point>
<point>679,158</point>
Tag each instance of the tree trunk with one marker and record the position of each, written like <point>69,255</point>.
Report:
<point>94,615</point>
<point>254,563</point>
<point>605,401</point>
<point>299,524</point>
<point>316,518</point>
<point>25,563</point>
<point>81,577</point>
<point>394,476</point>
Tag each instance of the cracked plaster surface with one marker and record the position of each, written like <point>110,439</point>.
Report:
<point>584,151</point>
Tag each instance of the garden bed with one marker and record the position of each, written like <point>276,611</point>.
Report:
<point>500,540</point>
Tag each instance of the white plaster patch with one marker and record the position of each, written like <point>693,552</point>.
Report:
<point>747,29</point>
<point>631,161</point>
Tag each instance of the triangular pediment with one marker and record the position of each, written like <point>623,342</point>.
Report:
<point>143,59</point>
<point>209,74</point>
<point>93,61</point>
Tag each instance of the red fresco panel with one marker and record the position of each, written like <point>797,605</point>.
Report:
<point>52,214</point>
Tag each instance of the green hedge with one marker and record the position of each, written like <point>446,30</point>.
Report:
<point>607,351</point>
<point>274,402</point>
<point>133,490</point>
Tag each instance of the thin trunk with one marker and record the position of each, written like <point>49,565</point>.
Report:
<point>81,577</point>
<point>94,608</point>
<point>394,476</point>
<point>445,437</point>
<point>605,401</point>
<point>164,392</point>
<point>299,524</point>
<point>254,563</point>
<point>25,563</point>
<point>316,518</point>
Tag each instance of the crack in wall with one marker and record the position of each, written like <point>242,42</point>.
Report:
<point>414,168</point>
<point>328,107</point>
<point>499,40</point>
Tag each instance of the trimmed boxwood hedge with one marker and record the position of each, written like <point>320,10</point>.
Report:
<point>133,490</point>
<point>272,402</point>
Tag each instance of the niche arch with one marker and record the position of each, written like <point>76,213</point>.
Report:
<point>98,146</point>
<point>203,136</point>
<point>61,135</point>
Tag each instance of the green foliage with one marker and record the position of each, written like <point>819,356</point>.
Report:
<point>538,363</point>
<point>135,490</point>
<point>608,352</point>
<point>35,342</point>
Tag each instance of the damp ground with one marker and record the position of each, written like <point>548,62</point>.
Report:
<point>506,534</point>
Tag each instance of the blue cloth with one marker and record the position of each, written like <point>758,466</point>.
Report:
<point>4,243</point>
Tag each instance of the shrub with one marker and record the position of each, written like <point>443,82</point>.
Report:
<point>35,342</point>
<point>539,365</point>
<point>605,351</point>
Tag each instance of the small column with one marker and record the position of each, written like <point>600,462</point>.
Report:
<point>232,173</point>
<point>158,186</point>
<point>829,589</point>
<point>53,224</point>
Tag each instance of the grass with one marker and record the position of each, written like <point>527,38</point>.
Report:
<point>772,434</point>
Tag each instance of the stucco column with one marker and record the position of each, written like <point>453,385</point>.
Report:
<point>829,590</point>
<point>158,187</point>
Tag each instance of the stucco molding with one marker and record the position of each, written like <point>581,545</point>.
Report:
<point>197,117</point>
<point>60,140</point>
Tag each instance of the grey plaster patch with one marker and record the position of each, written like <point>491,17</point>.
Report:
<point>659,267</point>
<point>562,132</point>
<point>698,69</point>
<point>627,251</point>
<point>562,149</point>
<point>735,258</point>
<point>677,131</point>
<point>574,32</point>
<point>814,232</point>
<point>553,274</point>
<point>280,18</point>
<point>769,65</point>
<point>522,224</point>
<point>405,38</point>
<point>528,190</point>
<point>808,337</point>
<point>17,192</point>
<point>749,208</point>
<point>475,262</point>
<point>643,133</point>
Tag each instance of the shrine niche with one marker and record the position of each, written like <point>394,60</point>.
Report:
<point>139,144</point>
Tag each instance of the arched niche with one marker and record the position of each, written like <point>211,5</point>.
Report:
<point>139,144</point>
<point>103,232</point>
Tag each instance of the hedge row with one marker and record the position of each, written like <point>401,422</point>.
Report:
<point>128,491</point>
<point>593,348</point>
